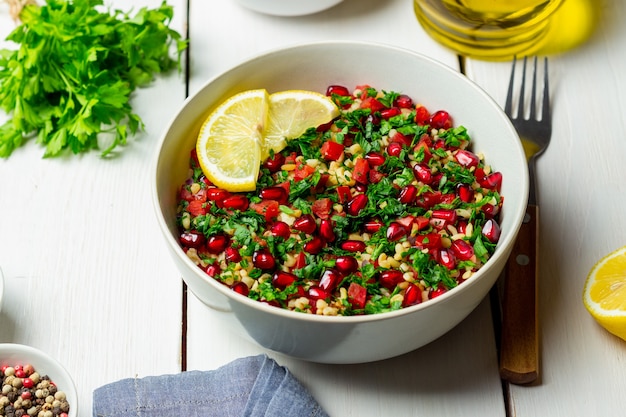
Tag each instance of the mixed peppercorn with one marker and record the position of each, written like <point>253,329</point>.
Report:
<point>383,208</point>
<point>26,393</point>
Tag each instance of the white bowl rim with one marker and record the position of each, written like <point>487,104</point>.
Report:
<point>59,370</point>
<point>232,296</point>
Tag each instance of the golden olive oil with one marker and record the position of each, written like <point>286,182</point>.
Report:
<point>488,29</point>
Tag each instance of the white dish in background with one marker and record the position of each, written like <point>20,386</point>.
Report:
<point>13,354</point>
<point>288,7</point>
<point>313,67</point>
<point>1,287</point>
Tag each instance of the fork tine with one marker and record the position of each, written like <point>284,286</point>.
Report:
<point>545,107</point>
<point>520,105</point>
<point>533,94</point>
<point>508,106</point>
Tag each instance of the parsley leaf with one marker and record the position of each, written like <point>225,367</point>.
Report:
<point>74,72</point>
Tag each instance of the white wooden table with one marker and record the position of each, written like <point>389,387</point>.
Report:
<point>89,281</point>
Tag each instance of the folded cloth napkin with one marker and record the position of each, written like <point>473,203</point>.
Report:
<point>254,386</point>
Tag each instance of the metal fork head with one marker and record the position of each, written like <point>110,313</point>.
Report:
<point>535,132</point>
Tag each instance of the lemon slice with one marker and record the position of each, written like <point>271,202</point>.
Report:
<point>230,141</point>
<point>604,295</point>
<point>291,113</point>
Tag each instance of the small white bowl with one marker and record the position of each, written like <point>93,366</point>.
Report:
<point>288,7</point>
<point>13,354</point>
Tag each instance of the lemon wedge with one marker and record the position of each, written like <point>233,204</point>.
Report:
<point>231,138</point>
<point>604,294</point>
<point>291,113</point>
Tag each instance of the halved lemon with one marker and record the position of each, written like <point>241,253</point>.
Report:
<point>230,141</point>
<point>604,294</point>
<point>291,113</point>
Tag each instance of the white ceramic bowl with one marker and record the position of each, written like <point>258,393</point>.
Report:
<point>315,66</point>
<point>288,7</point>
<point>14,354</point>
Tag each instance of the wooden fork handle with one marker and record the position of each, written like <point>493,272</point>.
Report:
<point>519,347</point>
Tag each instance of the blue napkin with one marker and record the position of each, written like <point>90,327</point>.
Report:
<point>254,386</point>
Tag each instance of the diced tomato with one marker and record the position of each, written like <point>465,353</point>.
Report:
<point>300,261</point>
<point>357,296</point>
<point>291,158</point>
<point>421,222</point>
<point>302,171</point>
<point>269,208</point>
<point>422,115</point>
<point>429,241</point>
<point>375,176</point>
<point>343,193</point>
<point>185,194</point>
<point>363,88</point>
<point>361,168</point>
<point>322,208</point>
<point>331,150</point>
<point>196,208</point>
<point>286,185</point>
<point>424,143</point>
<point>372,104</point>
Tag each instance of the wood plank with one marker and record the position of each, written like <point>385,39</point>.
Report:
<point>581,198</point>
<point>88,278</point>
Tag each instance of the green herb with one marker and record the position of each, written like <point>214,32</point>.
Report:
<point>75,70</point>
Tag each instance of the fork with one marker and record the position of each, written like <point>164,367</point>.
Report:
<point>519,347</point>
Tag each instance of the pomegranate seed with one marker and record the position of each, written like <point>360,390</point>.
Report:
<point>422,173</point>
<point>446,258</point>
<point>274,164</point>
<point>412,295</point>
<point>329,280</point>
<point>403,101</point>
<point>373,226</point>
<point>314,246</point>
<point>465,192</point>
<point>280,229</point>
<point>394,148</point>
<point>466,158</point>
<point>360,188</point>
<point>375,159</point>
<point>317,293</point>
<point>353,246</point>
<point>346,264</point>
<point>282,279</point>
<point>338,90</point>
<point>461,226</point>
<point>240,288</point>
<point>492,181</point>
<point>356,204</point>
<point>274,193</point>
<point>263,259</point>
<point>217,243</point>
<point>232,254</point>
<point>462,250</point>
<point>326,230</point>
<point>491,230</point>
<point>234,202</point>
<point>440,120</point>
<point>490,210</point>
<point>216,194</point>
<point>390,112</point>
<point>373,119</point>
<point>444,214</point>
<point>390,278</point>
<point>395,231</point>
<point>437,292</point>
<point>408,194</point>
<point>192,239</point>
<point>305,223</point>
<point>213,270</point>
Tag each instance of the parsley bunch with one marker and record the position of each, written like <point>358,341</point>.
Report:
<point>75,70</point>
